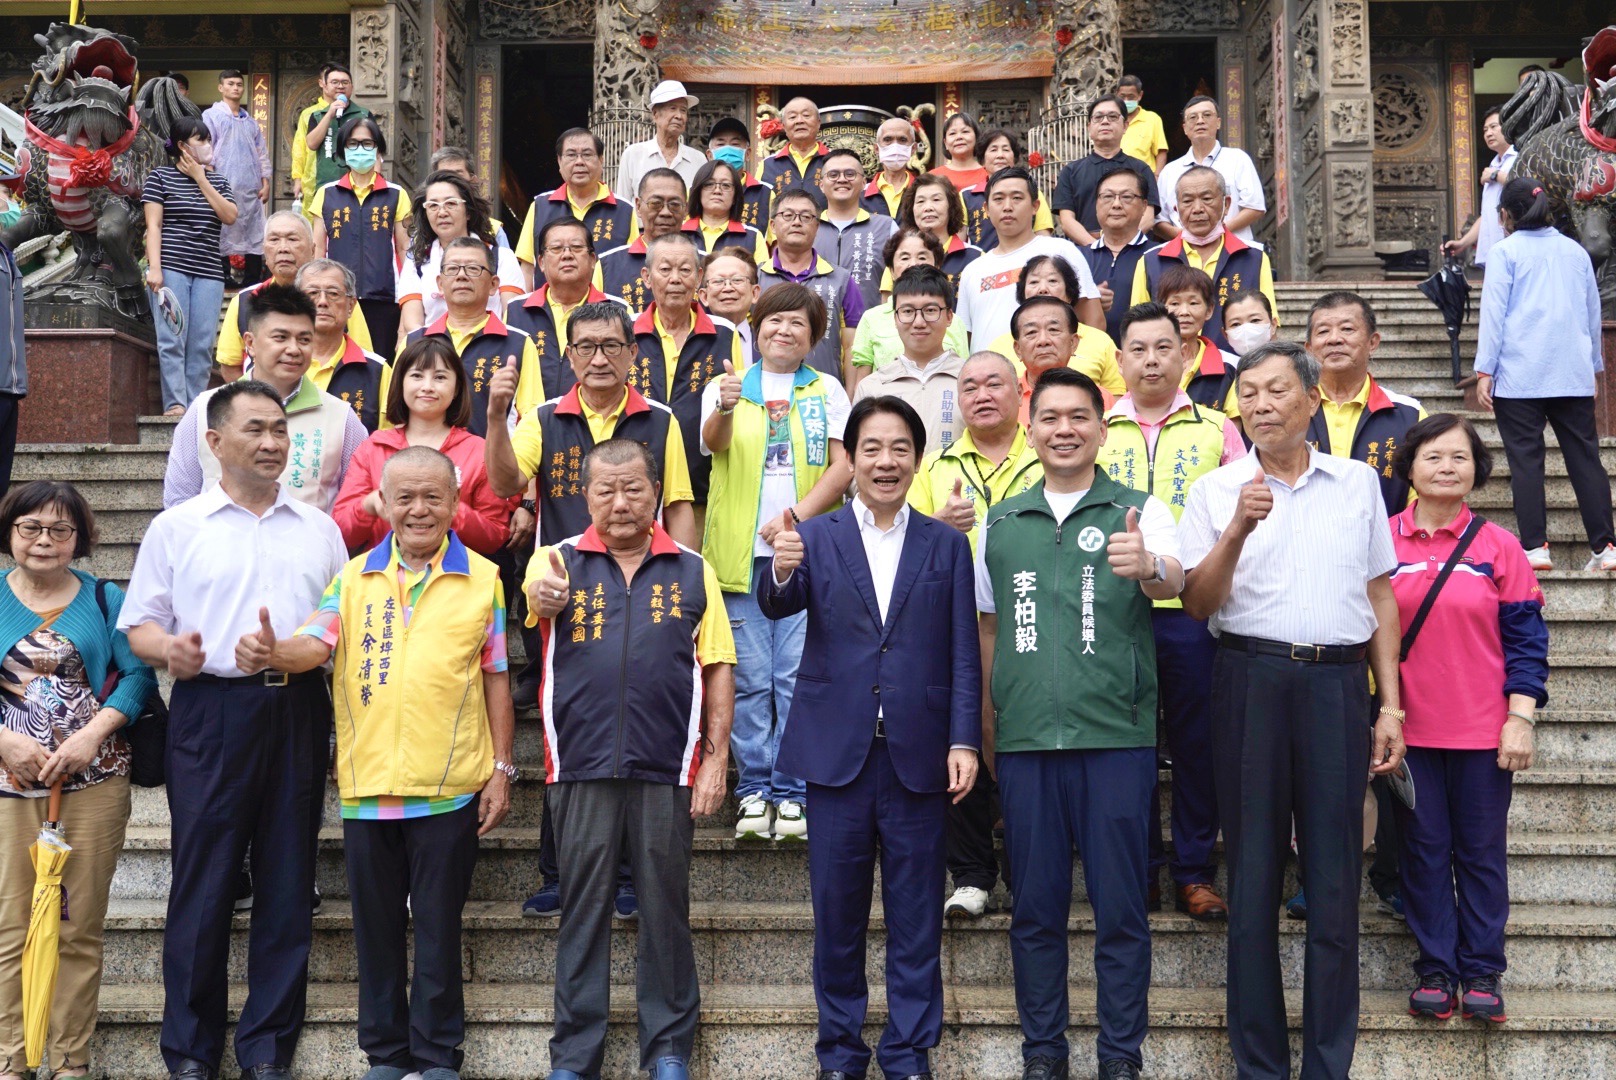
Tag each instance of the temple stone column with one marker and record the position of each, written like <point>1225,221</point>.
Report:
<point>626,69</point>
<point>388,54</point>
<point>1087,39</point>
<point>1332,147</point>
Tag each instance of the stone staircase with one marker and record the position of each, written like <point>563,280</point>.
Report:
<point>753,923</point>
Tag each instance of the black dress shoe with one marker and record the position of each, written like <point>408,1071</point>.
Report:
<point>838,1074</point>
<point>1117,1069</point>
<point>1045,1068</point>
<point>191,1070</point>
<point>918,1076</point>
<point>267,1072</point>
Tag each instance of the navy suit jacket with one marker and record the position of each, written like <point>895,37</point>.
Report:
<point>923,664</point>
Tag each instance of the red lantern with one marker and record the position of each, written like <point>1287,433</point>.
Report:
<point>648,40</point>
<point>1035,159</point>
<point>1063,36</point>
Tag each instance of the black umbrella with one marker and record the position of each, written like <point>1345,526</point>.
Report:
<point>1450,292</point>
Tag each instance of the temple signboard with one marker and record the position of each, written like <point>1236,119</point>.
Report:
<point>855,41</point>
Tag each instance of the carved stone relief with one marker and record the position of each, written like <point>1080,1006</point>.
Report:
<point>1349,122</point>
<point>411,63</point>
<point>1349,43</point>
<point>516,20</point>
<point>1313,220</point>
<point>1350,195</point>
<point>451,96</point>
<point>1405,109</point>
<point>1310,145</point>
<point>1180,16</point>
<point>1013,105</point>
<point>1409,174</point>
<point>1409,218</point>
<point>372,47</point>
<point>625,71</point>
<point>1305,59</point>
<point>716,102</point>
<point>1094,55</point>
<point>1264,97</point>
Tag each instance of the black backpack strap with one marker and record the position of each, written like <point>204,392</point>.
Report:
<point>101,598</point>
<point>1413,631</point>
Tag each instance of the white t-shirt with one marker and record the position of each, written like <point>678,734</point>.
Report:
<point>987,287</point>
<point>422,285</point>
<point>1155,521</point>
<point>779,477</point>
<point>1239,177</point>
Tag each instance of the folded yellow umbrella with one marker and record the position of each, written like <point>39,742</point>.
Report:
<point>40,954</point>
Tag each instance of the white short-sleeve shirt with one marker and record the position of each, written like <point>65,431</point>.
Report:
<point>987,287</point>
<point>1239,174</point>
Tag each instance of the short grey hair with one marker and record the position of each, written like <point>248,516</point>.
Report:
<point>677,239</point>
<point>1202,170</point>
<point>320,266</point>
<point>291,215</point>
<point>449,153</point>
<point>424,457</point>
<point>988,355</point>
<point>1304,363</point>
<point>618,451</point>
<point>602,311</point>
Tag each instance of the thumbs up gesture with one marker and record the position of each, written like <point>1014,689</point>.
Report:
<point>185,655</point>
<point>1126,552</point>
<point>502,391</point>
<point>787,548</point>
<point>254,650</point>
<point>548,595</point>
<point>1256,503</point>
<point>729,387</point>
<point>958,511</point>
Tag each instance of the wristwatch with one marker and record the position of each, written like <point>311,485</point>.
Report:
<point>512,773</point>
<point>530,506</point>
<point>1161,569</point>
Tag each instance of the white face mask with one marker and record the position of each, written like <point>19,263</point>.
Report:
<point>1248,336</point>
<point>202,152</point>
<point>895,155</point>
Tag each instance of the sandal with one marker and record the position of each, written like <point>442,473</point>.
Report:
<point>174,410</point>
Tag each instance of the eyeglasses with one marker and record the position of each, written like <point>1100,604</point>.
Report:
<point>794,217</point>
<point>930,313</point>
<point>841,174</point>
<point>565,249</point>
<point>655,205</point>
<point>29,529</point>
<point>361,144</point>
<point>465,270</point>
<point>611,350</point>
<point>578,155</point>
<point>727,283</point>
<point>434,205</point>
<point>1106,118</point>
<point>723,187</point>
<point>327,294</point>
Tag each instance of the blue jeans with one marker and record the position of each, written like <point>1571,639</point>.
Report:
<point>767,652</point>
<point>185,359</point>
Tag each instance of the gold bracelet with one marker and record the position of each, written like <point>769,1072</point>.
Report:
<point>1395,714</point>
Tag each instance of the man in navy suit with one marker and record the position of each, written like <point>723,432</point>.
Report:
<point>891,625</point>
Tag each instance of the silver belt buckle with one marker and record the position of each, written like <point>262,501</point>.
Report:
<point>1311,650</point>
<point>275,678</point>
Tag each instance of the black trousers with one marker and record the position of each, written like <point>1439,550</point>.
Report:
<point>1291,738</point>
<point>411,1023</point>
<point>245,766</point>
<point>972,862</point>
<point>10,407</point>
<point>1520,424</point>
<point>382,318</point>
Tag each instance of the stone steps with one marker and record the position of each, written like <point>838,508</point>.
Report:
<point>767,1033</point>
<point>1560,867</point>
<point>762,943</point>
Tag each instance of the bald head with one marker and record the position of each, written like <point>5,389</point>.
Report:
<point>420,462</point>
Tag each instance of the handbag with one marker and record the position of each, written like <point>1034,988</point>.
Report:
<point>148,732</point>
<point>1413,631</point>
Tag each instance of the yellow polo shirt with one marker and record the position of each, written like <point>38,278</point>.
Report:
<point>1341,419</point>
<point>1265,280</point>
<point>524,243</point>
<point>670,348</point>
<point>893,195</point>
<point>320,373</point>
<point>1231,400</point>
<point>1144,136</point>
<point>528,442</point>
<point>230,351</point>
<point>1095,355</point>
<point>362,192</point>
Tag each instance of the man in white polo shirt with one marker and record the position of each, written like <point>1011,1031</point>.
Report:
<point>670,112</point>
<point>1246,203</point>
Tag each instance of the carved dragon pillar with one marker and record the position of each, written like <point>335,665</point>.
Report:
<point>1332,97</point>
<point>1088,51</point>
<point>626,69</point>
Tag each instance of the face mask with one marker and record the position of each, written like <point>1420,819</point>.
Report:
<point>359,158</point>
<point>733,156</point>
<point>1201,241</point>
<point>895,155</point>
<point>1131,106</point>
<point>10,216</point>
<point>1248,336</point>
<point>201,153</point>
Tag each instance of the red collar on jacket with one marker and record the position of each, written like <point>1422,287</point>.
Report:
<point>560,195</point>
<point>1174,248</point>
<point>346,181</point>
<point>820,150</point>
<point>572,405</point>
<point>539,297</point>
<point>661,542</point>
<point>495,326</point>
<point>694,224</point>
<point>701,324</point>
<point>393,438</point>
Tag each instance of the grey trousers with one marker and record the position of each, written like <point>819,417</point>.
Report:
<point>594,820</point>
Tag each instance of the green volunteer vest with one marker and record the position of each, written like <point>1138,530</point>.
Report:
<point>1074,663</point>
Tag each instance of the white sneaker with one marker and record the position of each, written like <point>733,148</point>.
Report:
<point>1603,560</point>
<point>756,821</point>
<point>790,821</point>
<point>968,901</point>
<point>1539,559</point>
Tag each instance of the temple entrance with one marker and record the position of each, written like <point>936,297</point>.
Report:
<point>532,119</point>
<point>887,98</point>
<point>1173,71</point>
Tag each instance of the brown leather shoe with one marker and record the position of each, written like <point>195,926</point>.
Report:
<point>1200,903</point>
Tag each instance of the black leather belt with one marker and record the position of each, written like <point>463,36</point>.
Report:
<point>1312,654</point>
<point>263,678</point>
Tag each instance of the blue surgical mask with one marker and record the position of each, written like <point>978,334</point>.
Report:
<point>1132,106</point>
<point>733,156</point>
<point>10,216</point>
<point>360,158</point>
